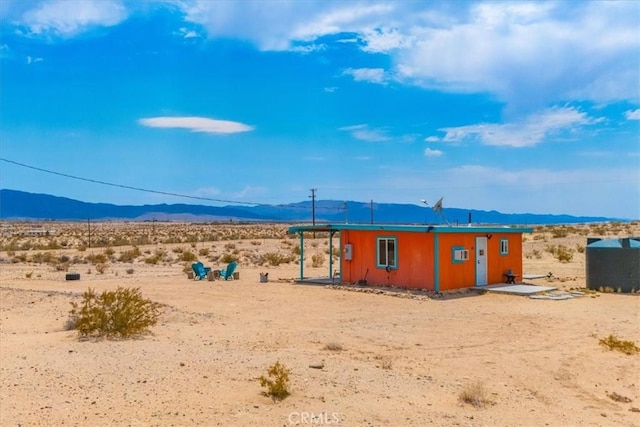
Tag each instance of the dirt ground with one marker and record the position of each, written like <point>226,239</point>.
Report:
<point>386,360</point>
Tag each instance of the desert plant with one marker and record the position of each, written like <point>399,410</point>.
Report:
<point>121,313</point>
<point>317,260</point>
<point>276,381</point>
<point>612,342</point>
<point>204,252</point>
<point>130,255</point>
<point>475,394</point>
<point>101,268</point>
<point>187,256</point>
<point>333,346</point>
<point>227,258</point>
<point>275,258</point>
<point>28,275</point>
<point>130,270</point>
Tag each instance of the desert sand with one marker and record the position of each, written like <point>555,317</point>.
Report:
<point>388,359</point>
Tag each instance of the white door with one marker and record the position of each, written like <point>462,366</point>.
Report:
<point>481,261</point>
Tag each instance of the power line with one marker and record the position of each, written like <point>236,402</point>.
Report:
<point>128,187</point>
<point>165,193</point>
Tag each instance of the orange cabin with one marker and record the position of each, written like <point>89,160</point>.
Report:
<point>436,258</point>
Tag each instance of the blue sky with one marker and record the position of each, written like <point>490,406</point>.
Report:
<point>509,106</point>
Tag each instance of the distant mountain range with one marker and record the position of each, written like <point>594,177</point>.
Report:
<point>19,205</point>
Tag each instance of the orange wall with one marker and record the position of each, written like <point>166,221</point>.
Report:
<point>415,267</point>
<point>415,259</point>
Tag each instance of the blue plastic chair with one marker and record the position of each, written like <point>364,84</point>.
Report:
<point>227,273</point>
<point>200,270</point>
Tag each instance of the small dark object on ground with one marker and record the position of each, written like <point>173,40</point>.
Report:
<point>72,276</point>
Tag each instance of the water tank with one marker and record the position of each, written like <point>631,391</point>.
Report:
<point>613,263</point>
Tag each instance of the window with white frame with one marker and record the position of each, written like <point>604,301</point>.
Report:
<point>459,254</point>
<point>387,255</point>
<point>504,246</point>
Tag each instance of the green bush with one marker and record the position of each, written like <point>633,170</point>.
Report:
<point>122,313</point>
<point>276,382</point>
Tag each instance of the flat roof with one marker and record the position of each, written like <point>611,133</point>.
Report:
<point>412,228</point>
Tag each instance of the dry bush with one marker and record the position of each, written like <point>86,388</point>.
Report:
<point>317,260</point>
<point>187,256</point>
<point>101,268</point>
<point>130,270</point>
<point>204,252</point>
<point>333,346</point>
<point>227,258</point>
<point>612,342</point>
<point>276,381</point>
<point>275,258</point>
<point>475,394</point>
<point>121,313</point>
<point>130,255</point>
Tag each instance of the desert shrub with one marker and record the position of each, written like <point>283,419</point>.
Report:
<point>227,258</point>
<point>256,243</point>
<point>317,260</point>
<point>187,256</point>
<point>43,257</point>
<point>178,250</point>
<point>558,233</point>
<point>101,268</point>
<point>475,394</point>
<point>130,270</point>
<point>62,266</point>
<point>612,342</point>
<point>109,252</point>
<point>204,252</point>
<point>295,250</point>
<point>276,381</point>
<point>580,248</point>
<point>64,259</point>
<point>28,275</point>
<point>564,254</point>
<point>121,313</point>
<point>230,246</point>
<point>333,346</point>
<point>130,255</point>
<point>275,258</point>
<point>96,258</point>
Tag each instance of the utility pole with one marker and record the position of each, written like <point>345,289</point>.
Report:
<point>313,208</point>
<point>313,205</point>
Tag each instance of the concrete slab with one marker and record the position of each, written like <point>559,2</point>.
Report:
<point>519,289</point>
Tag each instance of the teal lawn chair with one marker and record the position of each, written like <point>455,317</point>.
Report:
<point>227,273</point>
<point>200,270</point>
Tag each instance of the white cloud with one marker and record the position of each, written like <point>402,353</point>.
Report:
<point>364,133</point>
<point>385,40</point>
<point>31,60</point>
<point>187,33</point>
<point>371,75</point>
<point>432,153</point>
<point>528,54</point>
<point>207,192</point>
<point>70,17</point>
<point>632,114</point>
<point>330,89</point>
<point>432,139</point>
<point>196,124</point>
<point>530,131</point>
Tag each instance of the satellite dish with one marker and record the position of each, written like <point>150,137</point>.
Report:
<point>438,208</point>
